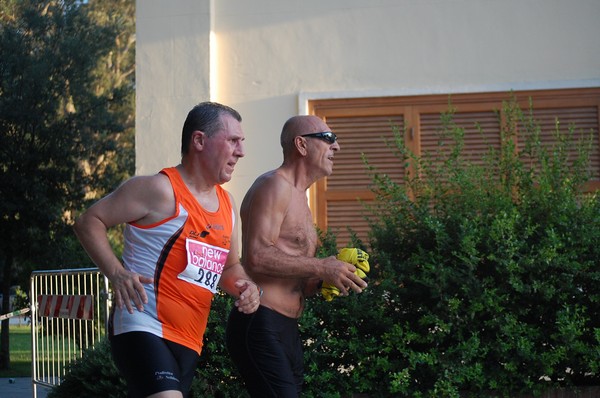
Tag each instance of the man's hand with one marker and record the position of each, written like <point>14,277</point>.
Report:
<point>250,294</point>
<point>356,257</point>
<point>128,288</point>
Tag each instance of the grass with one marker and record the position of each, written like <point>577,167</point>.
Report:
<point>54,349</point>
<point>20,352</point>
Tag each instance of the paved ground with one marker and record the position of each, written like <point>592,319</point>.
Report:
<point>20,387</point>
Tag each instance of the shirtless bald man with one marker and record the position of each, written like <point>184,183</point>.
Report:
<point>279,242</point>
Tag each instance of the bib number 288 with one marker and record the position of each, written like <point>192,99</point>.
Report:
<point>207,278</point>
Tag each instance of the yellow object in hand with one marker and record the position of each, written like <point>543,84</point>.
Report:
<point>357,257</point>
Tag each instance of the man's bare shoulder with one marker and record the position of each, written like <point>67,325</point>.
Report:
<point>271,181</point>
<point>157,184</point>
<point>269,188</point>
<point>142,199</point>
<point>152,196</point>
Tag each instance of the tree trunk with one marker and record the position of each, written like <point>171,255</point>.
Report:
<point>4,332</point>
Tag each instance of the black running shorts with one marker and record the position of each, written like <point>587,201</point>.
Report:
<point>266,348</point>
<point>150,364</point>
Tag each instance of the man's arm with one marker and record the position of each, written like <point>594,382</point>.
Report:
<point>143,199</point>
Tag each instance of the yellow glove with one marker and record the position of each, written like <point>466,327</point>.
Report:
<point>356,257</point>
<point>329,291</point>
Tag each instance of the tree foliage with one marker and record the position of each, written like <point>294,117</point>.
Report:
<point>66,124</point>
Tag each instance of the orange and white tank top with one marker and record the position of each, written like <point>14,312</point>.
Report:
<point>185,254</point>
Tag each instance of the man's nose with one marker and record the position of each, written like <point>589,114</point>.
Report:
<point>240,150</point>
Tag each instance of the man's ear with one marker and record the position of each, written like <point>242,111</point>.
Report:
<point>300,143</point>
<point>198,139</point>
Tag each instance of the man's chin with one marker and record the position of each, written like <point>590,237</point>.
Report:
<point>225,178</point>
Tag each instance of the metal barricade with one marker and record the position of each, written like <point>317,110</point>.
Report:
<point>69,313</point>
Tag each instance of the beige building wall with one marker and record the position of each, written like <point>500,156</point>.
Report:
<point>267,58</point>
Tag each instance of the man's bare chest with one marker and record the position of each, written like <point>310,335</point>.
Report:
<point>298,229</point>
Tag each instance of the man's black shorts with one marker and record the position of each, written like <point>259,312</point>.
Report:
<point>267,350</point>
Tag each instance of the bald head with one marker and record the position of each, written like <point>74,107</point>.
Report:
<point>299,125</point>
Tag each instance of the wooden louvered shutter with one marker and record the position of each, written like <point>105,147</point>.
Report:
<point>580,122</point>
<point>481,132</point>
<point>362,125</point>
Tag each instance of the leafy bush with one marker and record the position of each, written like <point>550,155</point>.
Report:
<point>487,277</point>
<point>94,375</point>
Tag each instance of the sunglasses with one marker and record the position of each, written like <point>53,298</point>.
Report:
<point>325,136</point>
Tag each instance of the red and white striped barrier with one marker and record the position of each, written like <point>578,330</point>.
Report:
<point>66,306</point>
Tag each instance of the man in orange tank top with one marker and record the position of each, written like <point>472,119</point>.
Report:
<point>279,241</point>
<point>181,244</point>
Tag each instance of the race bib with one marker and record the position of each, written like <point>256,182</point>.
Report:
<point>205,264</point>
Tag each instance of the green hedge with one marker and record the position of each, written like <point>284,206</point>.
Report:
<point>485,281</point>
<point>489,279</point>
<point>94,375</point>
